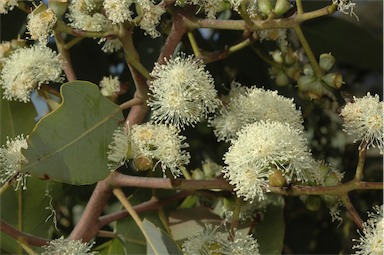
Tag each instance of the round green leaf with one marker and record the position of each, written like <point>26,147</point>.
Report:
<point>70,144</point>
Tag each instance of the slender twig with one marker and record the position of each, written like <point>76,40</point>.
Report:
<point>130,53</point>
<point>64,55</point>
<point>16,234</point>
<point>107,234</point>
<point>361,161</point>
<point>127,205</point>
<point>352,211</point>
<point>258,24</point>
<point>62,27</point>
<point>4,188</point>
<point>299,7</point>
<point>130,103</point>
<point>151,205</point>
<point>308,51</point>
<point>195,46</point>
<point>235,218</point>
<point>122,180</point>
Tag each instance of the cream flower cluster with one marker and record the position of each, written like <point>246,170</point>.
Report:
<point>364,118</point>
<point>181,92</point>
<point>11,159</point>
<point>118,11</point>
<point>40,24</point>
<point>262,148</point>
<point>26,69</point>
<point>63,246</point>
<point>160,143</point>
<point>210,7</point>
<point>151,17</point>
<point>109,86</point>
<point>248,105</point>
<point>86,15</point>
<point>210,241</point>
<point>7,5</point>
<point>371,241</point>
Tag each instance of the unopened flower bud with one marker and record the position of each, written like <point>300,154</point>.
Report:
<point>323,171</point>
<point>266,6</point>
<point>326,61</point>
<point>143,163</point>
<point>281,7</point>
<point>332,180</point>
<point>276,55</point>
<point>313,203</point>
<point>333,80</point>
<point>197,174</point>
<point>293,72</point>
<point>308,70</point>
<point>311,86</point>
<point>281,79</point>
<point>290,57</point>
<point>277,179</point>
<point>330,201</point>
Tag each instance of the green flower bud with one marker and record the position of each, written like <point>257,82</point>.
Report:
<point>282,79</point>
<point>197,174</point>
<point>143,163</point>
<point>266,6</point>
<point>326,61</point>
<point>323,171</point>
<point>332,180</point>
<point>293,72</point>
<point>313,203</point>
<point>333,80</point>
<point>308,70</point>
<point>281,7</point>
<point>330,201</point>
<point>277,179</point>
<point>291,57</point>
<point>311,86</point>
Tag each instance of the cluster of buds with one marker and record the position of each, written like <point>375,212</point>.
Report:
<point>274,7</point>
<point>315,85</point>
<point>286,66</point>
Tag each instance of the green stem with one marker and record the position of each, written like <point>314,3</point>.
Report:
<point>195,47</point>
<point>257,24</point>
<point>241,45</point>
<point>235,218</point>
<point>265,58</point>
<point>361,161</point>
<point>308,51</point>
<point>130,103</point>
<point>127,205</point>
<point>73,42</point>
<point>299,7</point>
<point>4,188</point>
<point>130,53</point>
<point>62,27</point>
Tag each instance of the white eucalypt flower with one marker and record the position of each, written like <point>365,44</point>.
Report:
<point>182,92</point>
<point>11,160</point>
<point>364,118</point>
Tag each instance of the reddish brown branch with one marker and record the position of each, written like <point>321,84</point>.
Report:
<point>17,235</point>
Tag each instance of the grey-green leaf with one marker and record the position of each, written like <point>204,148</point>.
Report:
<point>161,241</point>
<point>70,144</point>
